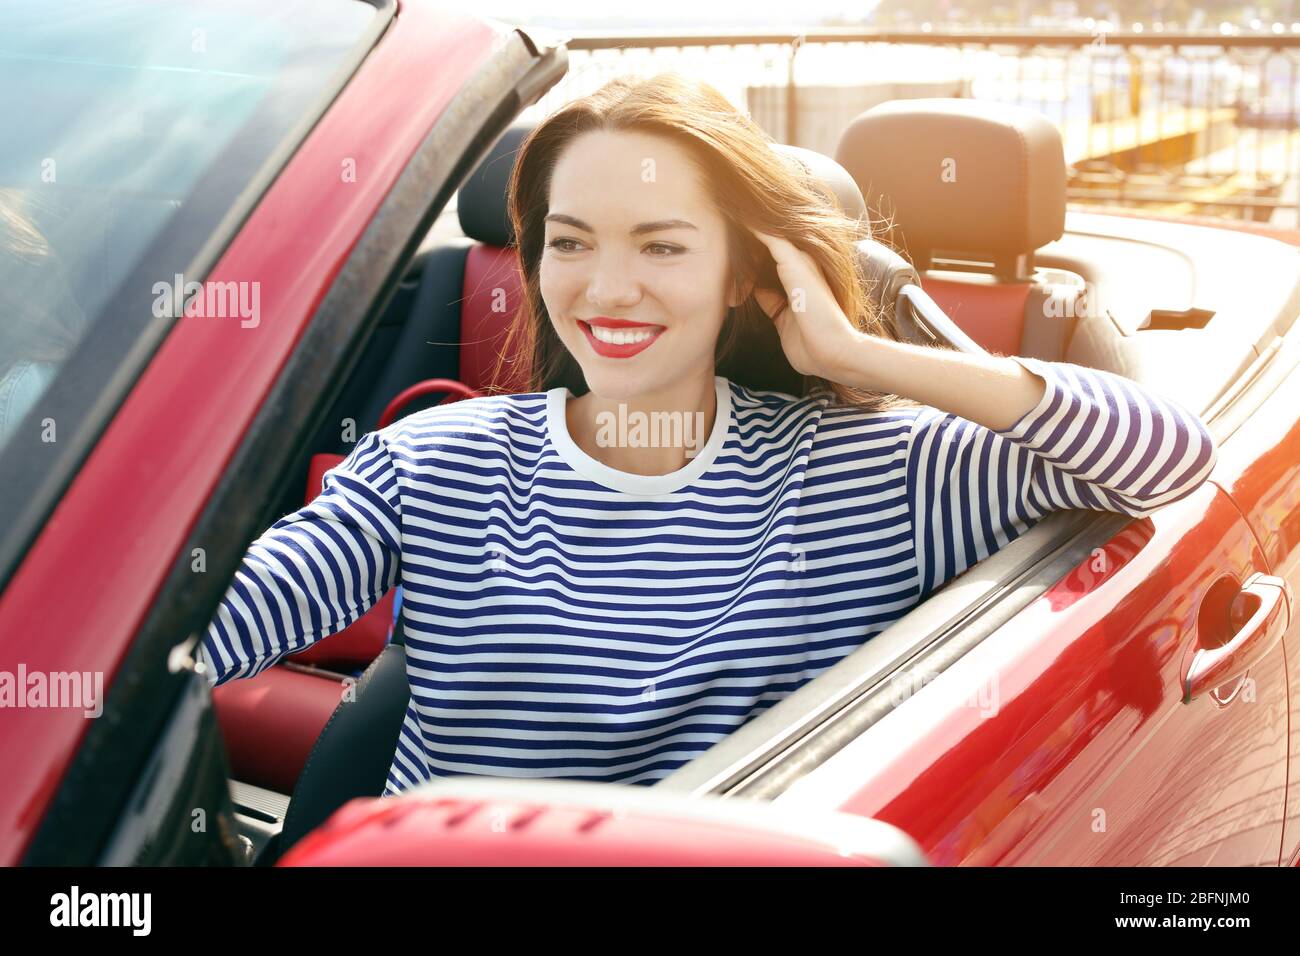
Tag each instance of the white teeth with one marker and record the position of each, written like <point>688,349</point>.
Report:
<point>619,336</point>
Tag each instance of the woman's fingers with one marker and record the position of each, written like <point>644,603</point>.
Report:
<point>781,250</point>
<point>795,267</point>
<point>773,301</point>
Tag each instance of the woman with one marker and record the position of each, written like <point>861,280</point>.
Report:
<point>581,602</point>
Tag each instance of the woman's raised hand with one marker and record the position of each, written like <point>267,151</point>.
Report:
<point>816,335</point>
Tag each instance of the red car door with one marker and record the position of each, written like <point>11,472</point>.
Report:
<point>1064,738</point>
<point>1262,474</point>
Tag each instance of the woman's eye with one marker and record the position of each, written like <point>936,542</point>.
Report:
<point>558,244</point>
<point>667,249</point>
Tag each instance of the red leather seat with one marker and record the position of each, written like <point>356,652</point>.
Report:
<point>270,722</point>
<point>993,315</point>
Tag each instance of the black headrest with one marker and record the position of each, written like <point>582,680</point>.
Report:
<point>960,176</point>
<point>481,202</point>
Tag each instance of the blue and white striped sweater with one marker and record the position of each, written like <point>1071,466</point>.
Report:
<point>563,619</point>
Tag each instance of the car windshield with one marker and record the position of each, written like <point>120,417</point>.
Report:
<point>115,114</point>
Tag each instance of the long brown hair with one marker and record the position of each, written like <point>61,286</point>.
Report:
<point>752,185</point>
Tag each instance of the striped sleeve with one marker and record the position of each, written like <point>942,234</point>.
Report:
<point>314,571</point>
<point>1096,441</point>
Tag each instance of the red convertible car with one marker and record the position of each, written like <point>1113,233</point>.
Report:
<point>234,254</point>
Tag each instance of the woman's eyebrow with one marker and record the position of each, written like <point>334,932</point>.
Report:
<point>639,229</point>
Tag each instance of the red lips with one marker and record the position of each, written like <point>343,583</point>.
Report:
<point>611,350</point>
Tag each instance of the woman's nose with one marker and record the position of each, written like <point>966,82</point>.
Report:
<point>613,284</point>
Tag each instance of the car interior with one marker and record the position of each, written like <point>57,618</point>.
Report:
<point>1168,305</point>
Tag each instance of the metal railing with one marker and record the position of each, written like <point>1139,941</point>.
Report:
<point>1191,123</point>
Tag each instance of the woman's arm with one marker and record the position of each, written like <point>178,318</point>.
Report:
<point>313,572</point>
<point>1113,445</point>
<point>1002,440</point>
<point>991,390</point>
<point>1092,440</point>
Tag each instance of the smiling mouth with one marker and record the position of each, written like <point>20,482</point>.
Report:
<point>623,336</point>
<point>620,342</point>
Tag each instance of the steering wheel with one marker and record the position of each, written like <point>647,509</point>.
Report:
<point>455,392</point>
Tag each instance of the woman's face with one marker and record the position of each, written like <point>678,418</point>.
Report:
<point>634,243</point>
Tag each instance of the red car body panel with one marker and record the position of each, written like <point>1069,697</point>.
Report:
<point>1262,473</point>
<point>1061,739</point>
<point>127,513</point>
<point>456,831</point>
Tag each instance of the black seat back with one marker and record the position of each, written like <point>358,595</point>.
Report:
<point>353,754</point>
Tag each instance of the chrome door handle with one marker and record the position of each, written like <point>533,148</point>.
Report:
<point>1212,667</point>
